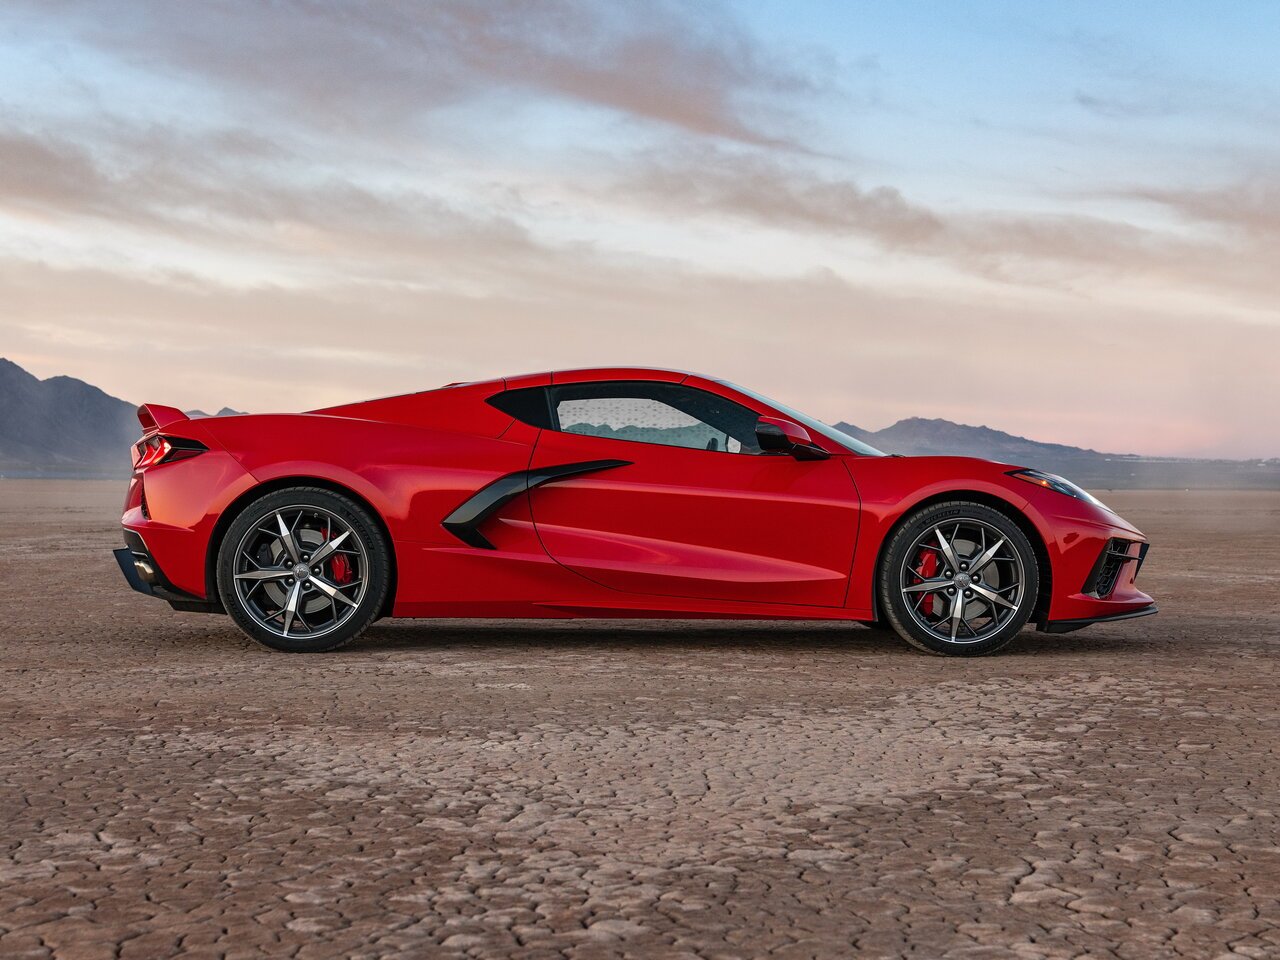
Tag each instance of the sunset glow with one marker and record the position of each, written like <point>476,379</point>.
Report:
<point>1062,221</point>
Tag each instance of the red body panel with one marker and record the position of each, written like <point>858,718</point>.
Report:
<point>696,523</point>
<point>185,500</point>
<point>673,532</point>
<point>1074,532</point>
<point>1078,532</point>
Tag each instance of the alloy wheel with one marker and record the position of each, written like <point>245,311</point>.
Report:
<point>962,581</point>
<point>300,572</point>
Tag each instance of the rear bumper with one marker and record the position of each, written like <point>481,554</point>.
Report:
<point>1066,626</point>
<point>143,574</point>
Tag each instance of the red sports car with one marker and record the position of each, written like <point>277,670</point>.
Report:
<point>605,493</point>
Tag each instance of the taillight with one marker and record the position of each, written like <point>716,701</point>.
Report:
<point>157,449</point>
<point>149,451</point>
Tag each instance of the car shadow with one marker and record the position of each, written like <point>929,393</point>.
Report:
<point>615,634</point>
<point>218,636</point>
<point>830,637</point>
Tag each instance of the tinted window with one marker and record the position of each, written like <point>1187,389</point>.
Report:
<point>528,406</point>
<point>663,413</point>
<point>817,426</point>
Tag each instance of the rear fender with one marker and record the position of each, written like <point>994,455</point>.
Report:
<point>412,476</point>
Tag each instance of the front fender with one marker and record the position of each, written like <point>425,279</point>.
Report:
<point>893,487</point>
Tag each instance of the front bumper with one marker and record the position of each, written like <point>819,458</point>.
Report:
<point>143,574</point>
<point>1103,571</point>
<point>1066,626</point>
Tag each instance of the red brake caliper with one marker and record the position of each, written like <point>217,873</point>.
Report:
<point>340,568</point>
<point>928,567</point>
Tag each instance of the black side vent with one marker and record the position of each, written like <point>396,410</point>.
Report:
<point>1106,572</point>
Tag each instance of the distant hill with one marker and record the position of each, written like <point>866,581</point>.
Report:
<point>63,427</point>
<point>224,412</point>
<point>917,437</point>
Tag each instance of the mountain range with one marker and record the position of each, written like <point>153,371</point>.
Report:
<point>918,437</point>
<point>63,427</point>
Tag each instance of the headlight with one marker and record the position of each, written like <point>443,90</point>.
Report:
<point>1061,485</point>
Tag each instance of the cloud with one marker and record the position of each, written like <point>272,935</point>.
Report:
<point>1133,80</point>
<point>404,290</point>
<point>1155,104</point>
<point>691,68</point>
<point>41,174</point>
<point>1031,368</point>
<point>199,189</point>
<point>368,67</point>
<point>310,201</point>
<point>762,189</point>
<point>784,192</point>
<point>1250,209</point>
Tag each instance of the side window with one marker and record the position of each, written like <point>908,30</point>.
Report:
<point>663,413</point>
<point>528,405</point>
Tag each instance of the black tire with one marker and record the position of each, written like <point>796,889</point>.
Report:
<point>1017,560</point>
<point>313,506</point>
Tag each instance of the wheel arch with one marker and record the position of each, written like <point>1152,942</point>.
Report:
<point>1045,591</point>
<point>234,508</point>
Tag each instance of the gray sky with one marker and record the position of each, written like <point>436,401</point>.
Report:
<point>1058,220</point>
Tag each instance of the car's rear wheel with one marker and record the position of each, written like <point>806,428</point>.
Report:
<point>959,579</point>
<point>303,570</point>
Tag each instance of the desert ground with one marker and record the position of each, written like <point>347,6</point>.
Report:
<point>595,789</point>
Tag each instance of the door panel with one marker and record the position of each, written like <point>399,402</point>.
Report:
<point>699,523</point>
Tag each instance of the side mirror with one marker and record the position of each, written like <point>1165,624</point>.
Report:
<point>776,435</point>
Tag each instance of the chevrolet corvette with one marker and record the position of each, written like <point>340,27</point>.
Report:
<point>605,493</point>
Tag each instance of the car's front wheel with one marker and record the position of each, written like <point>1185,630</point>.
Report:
<point>958,578</point>
<point>303,570</point>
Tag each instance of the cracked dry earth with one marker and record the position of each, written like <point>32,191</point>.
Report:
<point>590,790</point>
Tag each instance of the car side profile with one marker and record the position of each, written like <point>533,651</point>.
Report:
<point>620,492</point>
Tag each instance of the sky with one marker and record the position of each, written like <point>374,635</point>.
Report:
<point>1060,220</point>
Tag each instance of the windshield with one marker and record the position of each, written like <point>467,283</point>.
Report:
<point>817,426</point>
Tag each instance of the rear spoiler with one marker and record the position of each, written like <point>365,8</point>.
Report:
<point>155,417</point>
